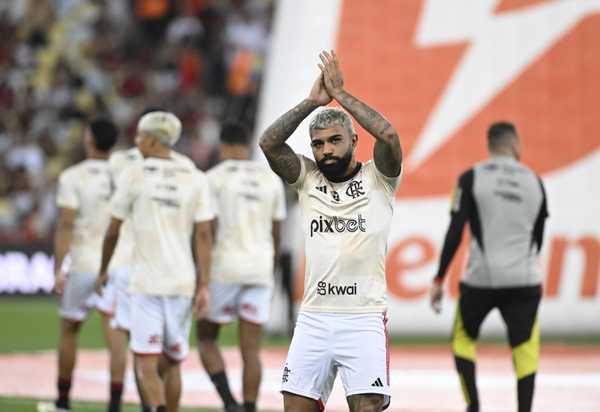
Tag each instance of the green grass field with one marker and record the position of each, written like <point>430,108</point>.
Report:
<point>31,324</point>
<point>29,405</point>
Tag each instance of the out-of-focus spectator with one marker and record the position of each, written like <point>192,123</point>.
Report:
<point>62,61</point>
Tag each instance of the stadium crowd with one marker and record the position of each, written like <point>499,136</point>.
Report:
<point>63,61</point>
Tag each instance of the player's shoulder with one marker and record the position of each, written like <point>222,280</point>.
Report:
<point>132,154</point>
<point>122,159</point>
<point>74,171</point>
<point>219,169</point>
<point>71,170</point>
<point>470,172</point>
<point>264,174</point>
<point>183,160</point>
<point>260,169</point>
<point>198,175</point>
<point>129,170</point>
<point>390,183</point>
<point>309,165</point>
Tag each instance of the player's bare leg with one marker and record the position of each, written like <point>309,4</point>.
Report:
<point>170,373</point>
<point>212,360</point>
<point>67,356</point>
<point>152,385</point>
<point>366,403</point>
<point>297,403</point>
<point>138,385</point>
<point>250,335</point>
<point>116,341</point>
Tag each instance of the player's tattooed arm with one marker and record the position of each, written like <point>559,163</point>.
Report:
<point>387,152</point>
<point>280,155</point>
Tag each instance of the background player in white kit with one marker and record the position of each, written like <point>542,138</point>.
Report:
<point>83,196</point>
<point>346,211</point>
<point>167,202</point>
<point>119,280</point>
<point>250,202</point>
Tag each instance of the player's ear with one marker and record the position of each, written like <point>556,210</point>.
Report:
<point>354,140</point>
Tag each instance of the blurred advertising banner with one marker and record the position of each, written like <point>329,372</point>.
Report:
<point>26,268</point>
<point>442,72</point>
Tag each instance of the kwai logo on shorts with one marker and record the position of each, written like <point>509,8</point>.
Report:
<point>337,224</point>
<point>326,288</point>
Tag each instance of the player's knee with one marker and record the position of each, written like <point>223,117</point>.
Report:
<point>297,403</point>
<point>366,403</point>
<point>526,361</point>
<point>70,327</point>
<point>146,367</point>
<point>206,332</point>
<point>463,346</point>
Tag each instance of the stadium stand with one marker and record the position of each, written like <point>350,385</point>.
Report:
<point>62,61</point>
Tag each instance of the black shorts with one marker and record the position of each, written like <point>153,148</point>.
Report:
<point>517,305</point>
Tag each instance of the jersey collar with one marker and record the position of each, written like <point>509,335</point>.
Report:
<point>350,176</point>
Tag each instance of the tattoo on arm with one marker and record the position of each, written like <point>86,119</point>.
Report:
<point>280,155</point>
<point>387,152</point>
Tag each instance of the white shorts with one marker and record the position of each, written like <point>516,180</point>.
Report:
<point>79,297</point>
<point>106,302</point>
<point>161,324</point>
<point>356,345</point>
<point>122,315</point>
<point>229,300</point>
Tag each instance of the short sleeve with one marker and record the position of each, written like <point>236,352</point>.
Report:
<point>390,184</point>
<point>67,194</point>
<point>204,207</point>
<point>305,165</point>
<point>122,201</point>
<point>213,189</point>
<point>279,211</point>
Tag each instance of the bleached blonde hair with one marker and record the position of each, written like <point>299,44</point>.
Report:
<point>329,117</point>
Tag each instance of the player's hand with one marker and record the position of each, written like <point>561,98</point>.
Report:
<point>318,93</point>
<point>436,293</point>
<point>332,74</point>
<point>100,283</point>
<point>201,301</point>
<point>59,283</point>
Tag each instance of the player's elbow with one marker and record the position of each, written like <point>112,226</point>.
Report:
<point>114,228</point>
<point>390,137</point>
<point>266,144</point>
<point>263,144</point>
<point>203,234</point>
<point>111,235</point>
<point>65,225</point>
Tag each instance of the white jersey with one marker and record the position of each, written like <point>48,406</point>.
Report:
<point>118,162</point>
<point>346,227</point>
<point>247,196</point>
<point>163,198</point>
<point>86,187</point>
